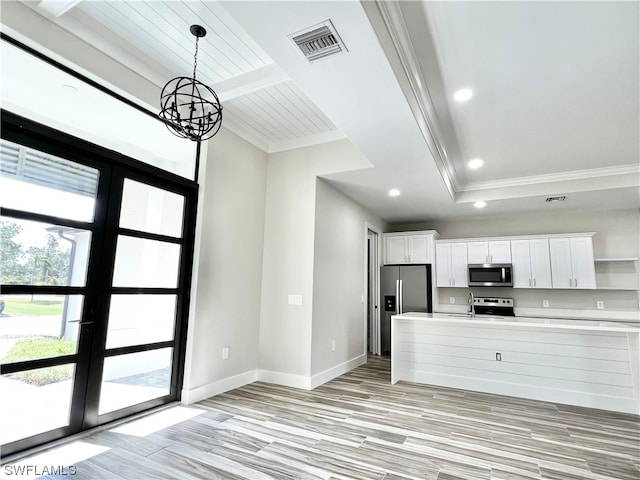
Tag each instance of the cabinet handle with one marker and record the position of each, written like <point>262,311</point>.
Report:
<point>529,282</point>
<point>575,282</point>
<point>571,283</point>
<point>534,282</point>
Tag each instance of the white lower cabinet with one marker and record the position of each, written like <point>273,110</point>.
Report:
<point>531,263</point>
<point>572,263</point>
<point>451,264</point>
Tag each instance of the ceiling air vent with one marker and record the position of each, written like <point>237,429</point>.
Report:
<point>555,199</point>
<point>319,41</point>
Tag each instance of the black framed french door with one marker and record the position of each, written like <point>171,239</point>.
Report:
<point>93,327</point>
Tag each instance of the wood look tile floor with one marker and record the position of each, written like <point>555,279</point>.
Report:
<point>358,426</point>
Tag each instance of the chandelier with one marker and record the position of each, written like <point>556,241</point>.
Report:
<point>189,108</point>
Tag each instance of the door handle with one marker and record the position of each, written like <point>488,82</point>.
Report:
<point>80,323</point>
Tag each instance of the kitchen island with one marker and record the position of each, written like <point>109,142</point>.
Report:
<point>588,363</point>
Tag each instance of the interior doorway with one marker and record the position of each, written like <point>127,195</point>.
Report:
<point>373,293</point>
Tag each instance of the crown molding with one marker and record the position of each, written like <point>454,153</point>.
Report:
<point>414,86</point>
<point>625,170</point>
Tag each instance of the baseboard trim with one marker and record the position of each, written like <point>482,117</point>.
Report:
<point>284,379</point>
<point>212,389</point>
<point>333,372</point>
<point>216,388</point>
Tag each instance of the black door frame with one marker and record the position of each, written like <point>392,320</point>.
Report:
<point>113,167</point>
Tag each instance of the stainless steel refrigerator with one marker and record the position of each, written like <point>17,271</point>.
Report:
<point>403,288</point>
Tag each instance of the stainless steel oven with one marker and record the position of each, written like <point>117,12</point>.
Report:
<point>490,275</point>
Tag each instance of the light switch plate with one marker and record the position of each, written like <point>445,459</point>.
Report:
<point>295,300</point>
<point>225,353</point>
<point>545,303</point>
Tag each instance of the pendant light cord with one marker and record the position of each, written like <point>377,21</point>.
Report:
<point>195,59</point>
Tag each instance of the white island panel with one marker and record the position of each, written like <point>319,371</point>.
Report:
<point>590,364</point>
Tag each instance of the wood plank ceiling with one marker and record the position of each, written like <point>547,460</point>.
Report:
<point>265,106</point>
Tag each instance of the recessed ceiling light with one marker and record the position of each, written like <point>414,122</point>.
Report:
<point>394,192</point>
<point>463,94</point>
<point>70,88</point>
<point>480,204</point>
<point>475,163</point>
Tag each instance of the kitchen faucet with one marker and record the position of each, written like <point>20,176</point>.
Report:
<point>472,306</point>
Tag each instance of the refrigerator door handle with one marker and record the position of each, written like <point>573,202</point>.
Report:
<point>401,308</point>
<point>397,297</point>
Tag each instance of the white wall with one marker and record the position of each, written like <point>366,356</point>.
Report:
<point>229,268</point>
<point>288,267</point>
<point>338,279</point>
<point>617,235</point>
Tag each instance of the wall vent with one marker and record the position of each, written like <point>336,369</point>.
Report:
<point>555,199</point>
<point>318,42</point>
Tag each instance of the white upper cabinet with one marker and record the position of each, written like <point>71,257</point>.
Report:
<point>496,251</point>
<point>451,265</point>
<point>531,263</point>
<point>408,248</point>
<point>418,248</point>
<point>572,264</point>
<point>395,249</point>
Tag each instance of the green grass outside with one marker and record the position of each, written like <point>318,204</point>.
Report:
<point>31,348</point>
<point>25,306</point>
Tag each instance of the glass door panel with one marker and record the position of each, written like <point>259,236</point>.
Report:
<point>39,253</point>
<point>140,319</point>
<point>135,378</point>
<point>29,176</point>
<point>39,326</point>
<point>146,263</point>
<point>35,401</point>
<point>151,209</point>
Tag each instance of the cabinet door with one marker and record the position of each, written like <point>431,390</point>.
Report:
<point>560,255</point>
<point>521,261</point>
<point>500,251</point>
<point>459,265</point>
<point>540,263</point>
<point>395,251</point>
<point>584,274</point>
<point>478,252</point>
<point>418,249</point>
<point>443,264</point>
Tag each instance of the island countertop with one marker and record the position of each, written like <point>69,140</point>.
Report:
<point>553,323</point>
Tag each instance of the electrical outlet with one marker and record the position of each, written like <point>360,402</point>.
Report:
<point>333,345</point>
<point>498,356</point>
<point>600,305</point>
<point>452,299</point>
<point>545,303</point>
<point>225,353</point>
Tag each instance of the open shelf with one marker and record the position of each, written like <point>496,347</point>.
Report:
<point>616,259</point>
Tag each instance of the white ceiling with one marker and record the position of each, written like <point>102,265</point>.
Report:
<point>555,110</point>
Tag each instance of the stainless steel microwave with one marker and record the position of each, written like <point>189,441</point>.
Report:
<point>490,275</point>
